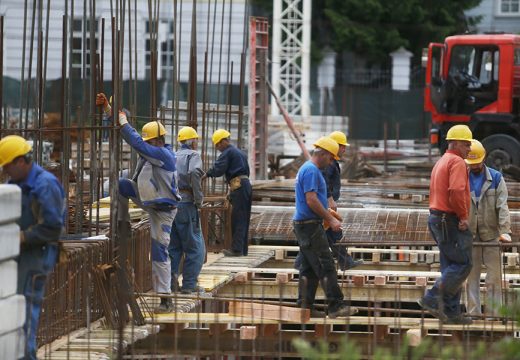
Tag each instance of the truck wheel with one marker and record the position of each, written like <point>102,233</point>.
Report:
<point>502,151</point>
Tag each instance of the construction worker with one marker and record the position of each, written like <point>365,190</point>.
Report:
<point>153,187</point>
<point>41,224</point>
<point>489,221</point>
<point>232,163</point>
<point>186,236</point>
<point>449,226</point>
<point>332,175</point>
<point>311,210</point>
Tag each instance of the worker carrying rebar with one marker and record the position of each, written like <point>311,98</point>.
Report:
<point>41,224</point>
<point>153,187</point>
<point>311,210</point>
<point>332,175</point>
<point>186,237</point>
<point>490,222</point>
<point>232,163</point>
<point>449,226</point>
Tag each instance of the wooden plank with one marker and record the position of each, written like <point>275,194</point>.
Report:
<point>322,330</point>
<point>380,280</point>
<point>248,332</point>
<point>282,278</point>
<point>361,272</point>
<point>268,311</point>
<point>404,322</point>
<point>218,329</point>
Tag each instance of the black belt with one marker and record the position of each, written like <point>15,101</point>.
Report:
<point>311,221</point>
<point>441,213</point>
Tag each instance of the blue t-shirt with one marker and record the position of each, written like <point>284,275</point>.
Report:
<point>309,178</point>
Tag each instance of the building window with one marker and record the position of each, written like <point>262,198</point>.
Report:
<point>78,47</point>
<point>509,7</point>
<point>165,50</point>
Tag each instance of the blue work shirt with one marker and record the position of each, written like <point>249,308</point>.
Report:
<point>156,172</point>
<point>232,162</point>
<point>476,181</point>
<point>43,207</point>
<point>309,179</point>
<point>332,175</point>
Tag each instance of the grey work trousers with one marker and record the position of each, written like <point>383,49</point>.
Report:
<point>491,257</point>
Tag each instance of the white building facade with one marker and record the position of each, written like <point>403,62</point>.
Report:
<point>221,31</point>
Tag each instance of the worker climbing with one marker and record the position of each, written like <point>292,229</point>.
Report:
<point>153,187</point>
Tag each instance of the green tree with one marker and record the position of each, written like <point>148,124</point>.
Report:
<point>375,28</point>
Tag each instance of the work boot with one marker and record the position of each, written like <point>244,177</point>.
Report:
<point>317,313</point>
<point>196,290</point>
<point>458,320</point>
<point>343,310</point>
<point>432,309</point>
<point>349,263</point>
<point>227,252</point>
<point>175,284</point>
<point>166,306</point>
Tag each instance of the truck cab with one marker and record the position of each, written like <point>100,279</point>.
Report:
<point>475,80</point>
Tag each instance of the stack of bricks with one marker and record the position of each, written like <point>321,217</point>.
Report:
<point>12,306</point>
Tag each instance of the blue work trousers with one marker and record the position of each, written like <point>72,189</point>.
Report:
<point>241,200</point>
<point>186,239</point>
<point>161,220</point>
<point>34,264</point>
<point>455,248</point>
<point>317,266</point>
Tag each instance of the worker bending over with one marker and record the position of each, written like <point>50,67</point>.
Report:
<point>41,224</point>
<point>153,187</point>
<point>232,163</point>
<point>490,222</point>
<point>186,237</point>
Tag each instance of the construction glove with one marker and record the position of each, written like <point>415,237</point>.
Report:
<point>504,238</point>
<point>326,224</point>
<point>101,100</point>
<point>122,118</point>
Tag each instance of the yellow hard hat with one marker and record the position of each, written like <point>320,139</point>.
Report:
<point>476,154</point>
<point>219,134</point>
<point>326,143</point>
<point>11,147</point>
<point>459,132</point>
<point>339,137</point>
<point>153,130</point>
<point>187,133</point>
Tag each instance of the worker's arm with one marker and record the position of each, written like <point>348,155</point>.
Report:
<point>220,166</point>
<point>458,189</point>
<point>314,203</point>
<point>196,173</point>
<point>503,217</point>
<point>50,207</point>
<point>158,156</point>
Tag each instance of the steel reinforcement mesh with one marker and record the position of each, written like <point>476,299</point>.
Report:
<point>360,226</point>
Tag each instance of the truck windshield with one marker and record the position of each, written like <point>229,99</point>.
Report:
<point>472,78</point>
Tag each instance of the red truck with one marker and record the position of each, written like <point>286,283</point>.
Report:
<point>475,80</point>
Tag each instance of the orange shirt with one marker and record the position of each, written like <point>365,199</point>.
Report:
<point>449,185</point>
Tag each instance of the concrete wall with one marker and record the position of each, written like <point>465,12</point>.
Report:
<point>12,306</point>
